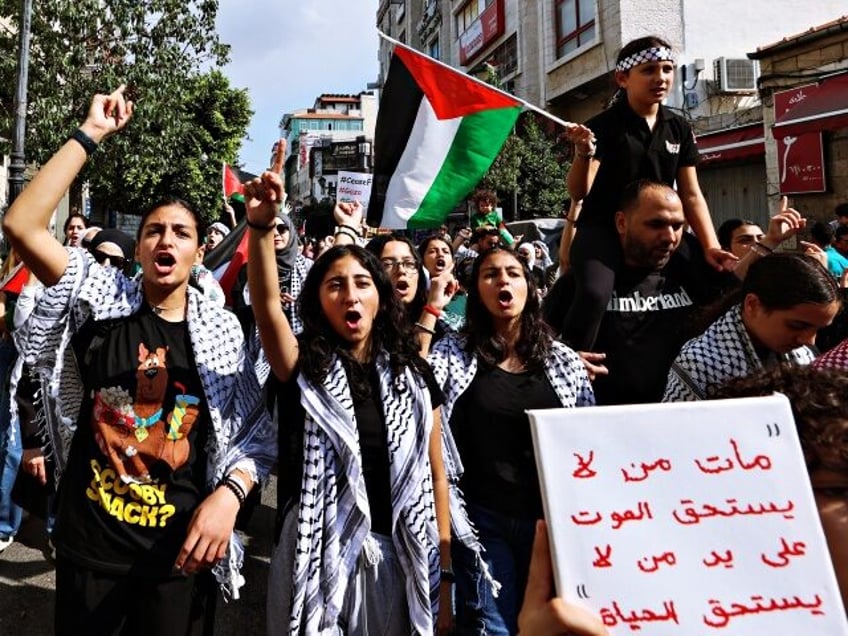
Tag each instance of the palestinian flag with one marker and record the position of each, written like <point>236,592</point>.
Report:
<point>232,185</point>
<point>438,132</point>
<point>227,259</point>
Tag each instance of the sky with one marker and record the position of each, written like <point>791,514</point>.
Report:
<point>287,52</point>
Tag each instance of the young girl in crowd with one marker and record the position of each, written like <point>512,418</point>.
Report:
<point>363,498</point>
<point>502,363</point>
<point>785,299</point>
<point>636,138</point>
<point>163,403</point>
<point>437,255</point>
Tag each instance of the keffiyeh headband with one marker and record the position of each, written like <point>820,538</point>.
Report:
<point>653,54</point>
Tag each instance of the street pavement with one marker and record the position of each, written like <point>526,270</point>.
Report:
<point>27,579</point>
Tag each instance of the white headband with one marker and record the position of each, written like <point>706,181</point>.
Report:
<point>653,54</point>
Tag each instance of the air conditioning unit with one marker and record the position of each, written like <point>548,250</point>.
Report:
<point>736,75</point>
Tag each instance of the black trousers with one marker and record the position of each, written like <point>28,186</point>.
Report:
<point>596,257</point>
<point>94,603</point>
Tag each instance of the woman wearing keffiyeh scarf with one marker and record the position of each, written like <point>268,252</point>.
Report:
<point>365,543</point>
<point>502,363</point>
<point>786,299</point>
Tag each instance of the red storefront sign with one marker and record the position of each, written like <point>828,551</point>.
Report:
<point>483,31</point>
<point>812,107</point>
<point>800,161</point>
<point>730,144</point>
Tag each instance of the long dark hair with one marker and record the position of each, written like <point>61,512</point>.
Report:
<point>534,341</point>
<point>785,279</point>
<point>376,246</point>
<point>780,281</point>
<point>390,332</point>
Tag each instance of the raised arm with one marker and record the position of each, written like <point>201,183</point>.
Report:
<point>584,167</point>
<point>262,198</point>
<point>782,226</point>
<point>26,221</point>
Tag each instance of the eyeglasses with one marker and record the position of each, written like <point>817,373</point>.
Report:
<point>282,228</point>
<point>390,264</point>
<point>114,261</point>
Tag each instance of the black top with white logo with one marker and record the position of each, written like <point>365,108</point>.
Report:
<point>647,320</point>
<point>628,150</point>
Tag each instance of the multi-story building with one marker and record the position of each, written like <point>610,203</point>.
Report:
<point>332,120</point>
<point>559,55</point>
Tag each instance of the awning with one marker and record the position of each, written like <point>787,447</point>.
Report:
<point>812,107</point>
<point>743,142</point>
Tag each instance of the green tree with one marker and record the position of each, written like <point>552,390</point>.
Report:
<point>187,122</point>
<point>542,188</point>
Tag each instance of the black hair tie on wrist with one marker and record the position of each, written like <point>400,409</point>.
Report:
<point>263,228</point>
<point>88,144</point>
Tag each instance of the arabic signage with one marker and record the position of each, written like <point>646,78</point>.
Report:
<point>800,161</point>
<point>691,518</point>
<point>482,32</point>
<point>800,157</point>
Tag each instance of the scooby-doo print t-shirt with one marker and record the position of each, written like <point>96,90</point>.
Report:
<point>137,464</point>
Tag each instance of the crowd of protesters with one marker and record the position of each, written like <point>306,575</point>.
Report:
<point>387,380</point>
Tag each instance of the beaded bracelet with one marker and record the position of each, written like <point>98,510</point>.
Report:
<point>235,486</point>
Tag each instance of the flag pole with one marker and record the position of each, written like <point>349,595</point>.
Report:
<point>526,104</point>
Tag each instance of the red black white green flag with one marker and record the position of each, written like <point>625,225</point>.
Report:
<point>438,132</point>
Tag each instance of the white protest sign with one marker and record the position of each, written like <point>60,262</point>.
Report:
<point>690,518</point>
<point>354,186</point>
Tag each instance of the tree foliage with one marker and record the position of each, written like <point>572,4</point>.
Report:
<point>186,121</point>
<point>542,184</point>
<point>532,165</point>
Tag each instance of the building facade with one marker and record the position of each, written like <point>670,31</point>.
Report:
<point>559,55</point>
<point>334,122</point>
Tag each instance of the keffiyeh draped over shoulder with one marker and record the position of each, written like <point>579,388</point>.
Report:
<point>454,369</point>
<point>722,352</point>
<point>333,514</point>
<point>242,435</point>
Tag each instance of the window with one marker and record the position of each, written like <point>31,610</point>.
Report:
<point>575,24</point>
<point>505,57</point>
<point>470,12</point>
<point>433,49</point>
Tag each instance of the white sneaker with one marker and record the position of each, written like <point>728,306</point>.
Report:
<point>5,543</point>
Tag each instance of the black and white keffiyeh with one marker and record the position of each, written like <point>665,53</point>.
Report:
<point>334,516</point>
<point>651,54</point>
<point>242,435</point>
<point>454,369</point>
<point>722,352</point>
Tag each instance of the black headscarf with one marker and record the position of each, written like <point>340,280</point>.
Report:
<point>287,256</point>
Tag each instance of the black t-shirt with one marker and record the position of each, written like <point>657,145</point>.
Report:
<point>492,433</point>
<point>647,320</point>
<point>371,425</point>
<point>137,465</point>
<point>629,150</point>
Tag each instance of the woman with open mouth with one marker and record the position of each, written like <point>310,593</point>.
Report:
<point>503,362</point>
<point>437,255</point>
<point>148,401</point>
<point>362,496</point>
<point>423,306</point>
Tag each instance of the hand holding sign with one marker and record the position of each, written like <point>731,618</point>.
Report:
<point>676,518</point>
